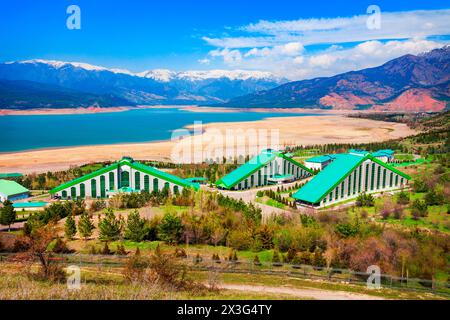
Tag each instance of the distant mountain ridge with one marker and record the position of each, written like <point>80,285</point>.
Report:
<point>149,87</point>
<point>408,83</point>
<point>22,94</point>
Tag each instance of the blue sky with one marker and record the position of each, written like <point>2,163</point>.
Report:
<point>284,37</point>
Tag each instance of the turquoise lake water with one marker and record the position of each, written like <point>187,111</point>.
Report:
<point>18,133</point>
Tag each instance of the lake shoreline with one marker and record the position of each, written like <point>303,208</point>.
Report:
<point>190,108</point>
<point>293,130</point>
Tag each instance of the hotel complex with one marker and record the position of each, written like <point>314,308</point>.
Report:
<point>341,177</point>
<point>125,175</point>
<point>347,176</point>
<point>269,167</point>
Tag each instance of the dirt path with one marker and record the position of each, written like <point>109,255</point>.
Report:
<point>302,293</point>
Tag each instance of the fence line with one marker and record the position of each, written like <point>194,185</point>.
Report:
<point>267,268</point>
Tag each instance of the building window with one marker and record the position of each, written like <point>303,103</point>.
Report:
<point>359,179</point>
<point>64,194</point>
<point>331,196</point>
<point>137,180</point>
<point>102,187</point>
<point>372,178</point>
<point>336,194</point>
<point>246,183</point>
<point>175,190</point>
<point>93,188</point>
<point>147,183</point>
<point>396,180</point>
<point>124,179</point>
<point>349,184</point>
<point>384,178</point>
<point>378,177</point>
<point>366,183</point>
<point>155,185</point>
<point>82,190</point>
<point>259,177</point>
<point>73,193</point>
<point>390,179</point>
<point>166,186</point>
<point>111,181</point>
<point>342,189</point>
<point>354,182</point>
<point>252,180</point>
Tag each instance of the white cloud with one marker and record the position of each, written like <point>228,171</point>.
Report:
<point>330,61</point>
<point>394,25</point>
<point>204,61</point>
<point>230,57</point>
<point>322,60</point>
<point>278,46</point>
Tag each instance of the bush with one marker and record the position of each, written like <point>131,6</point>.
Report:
<point>276,257</point>
<point>434,198</point>
<point>61,247</point>
<point>239,240</point>
<point>403,198</point>
<point>121,250</point>
<point>170,229</point>
<point>347,230</point>
<point>419,209</point>
<point>98,205</point>
<point>106,251</point>
<point>135,267</point>
<point>398,212</point>
<point>365,200</point>
<point>420,185</point>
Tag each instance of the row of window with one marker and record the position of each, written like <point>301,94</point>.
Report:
<point>124,183</point>
<point>354,182</point>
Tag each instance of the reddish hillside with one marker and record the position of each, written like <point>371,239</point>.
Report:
<point>413,100</point>
<point>409,83</point>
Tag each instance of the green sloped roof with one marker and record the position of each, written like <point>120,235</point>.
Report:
<point>358,152</point>
<point>10,188</point>
<point>253,165</point>
<point>85,178</point>
<point>164,175</point>
<point>326,180</point>
<point>10,175</point>
<point>383,153</point>
<point>133,164</point>
<point>320,159</point>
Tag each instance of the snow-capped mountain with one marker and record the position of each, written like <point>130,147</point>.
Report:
<point>165,75</point>
<point>158,86</point>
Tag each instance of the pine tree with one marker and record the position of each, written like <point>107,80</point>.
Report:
<point>7,214</point>
<point>70,228</point>
<point>85,226</point>
<point>135,229</point>
<point>109,227</point>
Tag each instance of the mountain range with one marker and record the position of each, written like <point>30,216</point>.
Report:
<point>66,84</point>
<point>408,83</point>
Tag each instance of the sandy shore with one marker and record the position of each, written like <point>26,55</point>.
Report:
<point>305,130</point>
